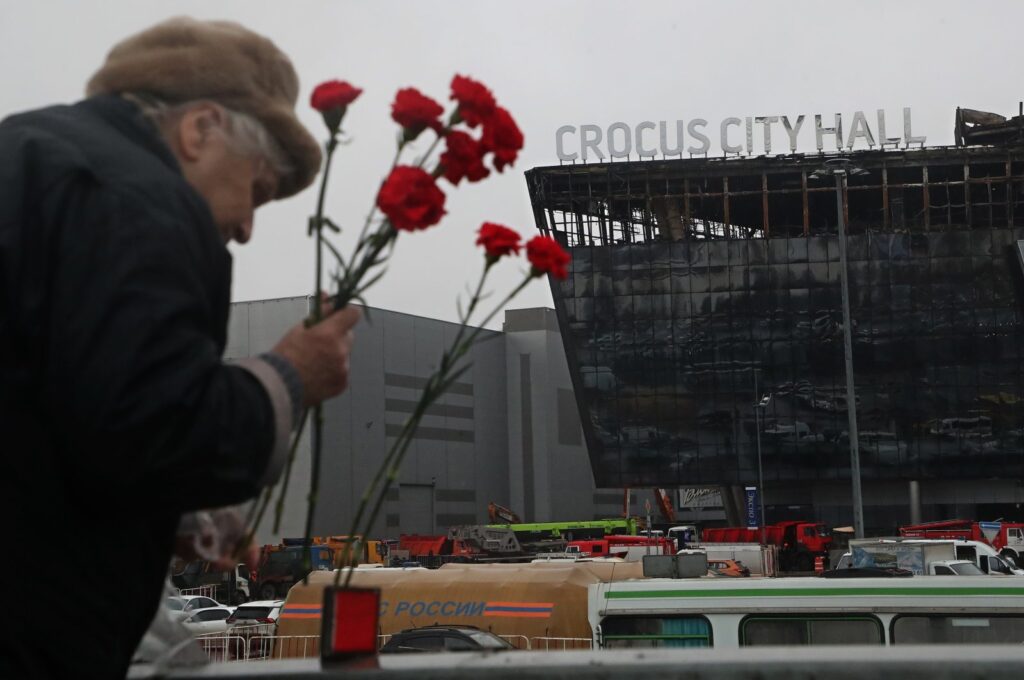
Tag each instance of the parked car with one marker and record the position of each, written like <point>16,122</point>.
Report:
<point>209,620</point>
<point>259,612</point>
<point>727,568</point>
<point>444,639</point>
<point>250,626</point>
<point>183,606</point>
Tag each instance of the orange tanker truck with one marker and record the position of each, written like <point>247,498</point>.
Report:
<point>534,605</point>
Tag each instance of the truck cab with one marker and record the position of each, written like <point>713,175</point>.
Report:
<point>231,586</point>
<point>282,567</point>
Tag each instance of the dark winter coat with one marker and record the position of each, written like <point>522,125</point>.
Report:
<point>116,411</point>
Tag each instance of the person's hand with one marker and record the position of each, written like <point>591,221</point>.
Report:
<point>217,536</point>
<point>320,353</point>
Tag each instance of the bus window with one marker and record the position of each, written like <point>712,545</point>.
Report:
<point>760,631</point>
<point>652,631</point>
<point>957,629</point>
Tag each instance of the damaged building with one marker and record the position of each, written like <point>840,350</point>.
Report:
<point>702,322</point>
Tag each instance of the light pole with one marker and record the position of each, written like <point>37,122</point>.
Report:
<point>841,168</point>
<point>758,408</point>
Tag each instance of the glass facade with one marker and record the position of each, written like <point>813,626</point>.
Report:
<point>684,307</point>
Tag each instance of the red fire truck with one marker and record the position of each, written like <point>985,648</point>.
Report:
<point>798,542</point>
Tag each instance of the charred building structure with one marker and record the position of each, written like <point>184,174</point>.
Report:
<point>702,287</point>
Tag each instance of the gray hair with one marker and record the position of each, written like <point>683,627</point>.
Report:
<point>244,133</point>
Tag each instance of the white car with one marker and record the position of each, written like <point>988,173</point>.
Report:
<point>252,627</point>
<point>209,620</point>
<point>182,606</point>
<point>257,613</point>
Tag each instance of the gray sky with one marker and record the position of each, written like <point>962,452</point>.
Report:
<point>550,63</point>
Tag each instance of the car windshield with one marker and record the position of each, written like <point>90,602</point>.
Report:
<point>176,605</point>
<point>966,569</point>
<point>250,613</point>
<point>487,640</point>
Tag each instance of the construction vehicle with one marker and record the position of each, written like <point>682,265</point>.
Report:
<point>799,543</point>
<point>429,550</point>
<point>661,498</point>
<point>497,514</point>
<point>471,543</point>
<point>281,566</point>
<point>629,548</point>
<point>598,528</point>
<point>1005,537</point>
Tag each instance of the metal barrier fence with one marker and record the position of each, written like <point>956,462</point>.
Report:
<point>241,647</point>
<point>545,644</point>
<point>250,643</point>
<point>202,591</point>
<point>517,641</point>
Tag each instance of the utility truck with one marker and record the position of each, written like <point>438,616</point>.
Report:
<point>917,556</point>
<point>1005,537</point>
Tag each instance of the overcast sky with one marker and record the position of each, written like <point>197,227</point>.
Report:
<point>550,63</point>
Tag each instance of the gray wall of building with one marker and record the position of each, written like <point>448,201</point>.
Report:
<point>458,461</point>
<point>549,471</point>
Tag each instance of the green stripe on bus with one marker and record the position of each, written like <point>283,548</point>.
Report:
<point>810,592</point>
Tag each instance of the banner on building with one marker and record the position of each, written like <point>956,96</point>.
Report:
<point>753,508</point>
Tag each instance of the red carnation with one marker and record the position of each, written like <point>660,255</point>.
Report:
<point>547,257</point>
<point>502,136</point>
<point>476,103</point>
<point>415,112</point>
<point>411,199</point>
<point>463,158</point>
<point>333,94</point>
<point>498,240</point>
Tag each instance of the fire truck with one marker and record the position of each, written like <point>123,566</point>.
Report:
<point>1006,537</point>
<point>799,543</point>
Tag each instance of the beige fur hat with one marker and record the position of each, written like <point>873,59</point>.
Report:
<point>183,59</point>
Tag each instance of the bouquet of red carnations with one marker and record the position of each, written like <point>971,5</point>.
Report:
<point>411,199</point>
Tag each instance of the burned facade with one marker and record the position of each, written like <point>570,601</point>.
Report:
<point>700,286</point>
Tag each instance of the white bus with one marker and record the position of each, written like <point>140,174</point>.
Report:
<point>722,612</point>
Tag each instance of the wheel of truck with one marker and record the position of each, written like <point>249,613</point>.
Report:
<point>239,598</point>
<point>267,591</point>
<point>282,590</point>
<point>805,562</point>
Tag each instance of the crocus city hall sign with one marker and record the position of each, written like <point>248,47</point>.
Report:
<point>750,135</point>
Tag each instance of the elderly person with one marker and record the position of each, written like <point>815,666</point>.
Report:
<point>117,411</point>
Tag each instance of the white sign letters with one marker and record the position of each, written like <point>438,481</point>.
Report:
<point>747,136</point>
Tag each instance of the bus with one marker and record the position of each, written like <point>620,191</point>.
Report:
<point>806,611</point>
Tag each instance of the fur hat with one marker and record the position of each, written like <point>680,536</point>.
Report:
<point>183,59</point>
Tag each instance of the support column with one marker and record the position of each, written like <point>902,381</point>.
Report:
<point>914,489</point>
<point>733,502</point>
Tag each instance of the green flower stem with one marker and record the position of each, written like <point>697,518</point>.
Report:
<point>348,285</point>
<point>316,439</point>
<point>390,465</point>
<point>259,506</point>
<point>402,442</point>
<point>435,388</point>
